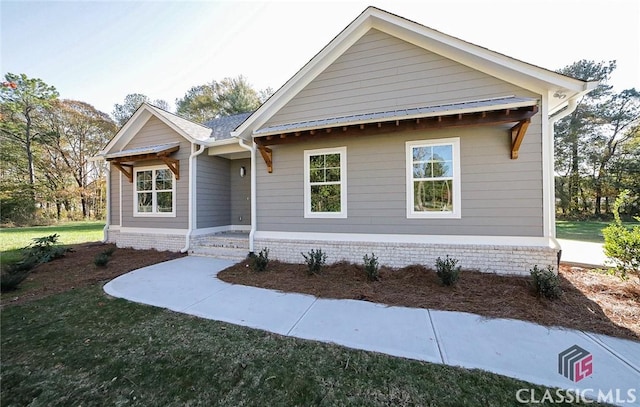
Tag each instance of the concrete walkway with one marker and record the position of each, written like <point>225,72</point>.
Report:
<point>512,348</point>
<point>582,253</point>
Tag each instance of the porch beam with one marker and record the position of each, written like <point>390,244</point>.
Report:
<point>126,169</point>
<point>267,156</point>
<point>517,135</point>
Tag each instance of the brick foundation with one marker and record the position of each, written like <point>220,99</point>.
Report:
<point>144,241</point>
<point>499,259</point>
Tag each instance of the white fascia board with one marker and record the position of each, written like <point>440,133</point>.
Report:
<point>130,129</point>
<point>520,73</point>
<point>135,124</point>
<point>305,75</point>
<point>452,240</point>
<point>226,146</point>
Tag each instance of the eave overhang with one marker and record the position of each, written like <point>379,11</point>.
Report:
<point>123,160</point>
<point>487,112</point>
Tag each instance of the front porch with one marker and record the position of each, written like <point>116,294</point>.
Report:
<point>230,245</point>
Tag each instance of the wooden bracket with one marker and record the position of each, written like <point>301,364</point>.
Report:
<point>517,135</point>
<point>173,164</point>
<point>126,169</point>
<point>267,156</point>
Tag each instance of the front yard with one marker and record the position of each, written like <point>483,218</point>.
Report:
<point>84,348</point>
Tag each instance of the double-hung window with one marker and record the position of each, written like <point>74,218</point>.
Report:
<point>325,172</point>
<point>433,178</point>
<point>154,192</point>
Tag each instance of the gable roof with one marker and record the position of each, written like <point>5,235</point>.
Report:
<point>559,88</point>
<point>223,126</point>
<point>191,131</point>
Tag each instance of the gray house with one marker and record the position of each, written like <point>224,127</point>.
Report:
<point>394,139</point>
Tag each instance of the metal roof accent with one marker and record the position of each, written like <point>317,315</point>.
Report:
<point>157,149</point>
<point>505,102</point>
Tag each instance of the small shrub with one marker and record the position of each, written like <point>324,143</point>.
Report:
<point>622,244</point>
<point>110,250</point>
<point>315,260</point>
<point>12,274</point>
<point>44,249</point>
<point>261,261</point>
<point>447,270</point>
<point>101,259</point>
<point>546,282</point>
<point>371,267</point>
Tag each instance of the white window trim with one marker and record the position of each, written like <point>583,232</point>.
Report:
<point>456,213</point>
<point>343,183</point>
<point>137,214</point>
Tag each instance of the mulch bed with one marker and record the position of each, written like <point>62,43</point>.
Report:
<point>76,269</point>
<point>591,301</point>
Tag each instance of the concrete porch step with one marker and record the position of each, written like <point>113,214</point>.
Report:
<point>227,253</point>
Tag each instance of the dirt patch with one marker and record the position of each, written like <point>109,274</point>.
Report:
<point>76,269</point>
<point>592,301</point>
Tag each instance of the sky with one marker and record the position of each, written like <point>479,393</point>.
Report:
<point>100,51</point>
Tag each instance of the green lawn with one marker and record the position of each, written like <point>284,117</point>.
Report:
<point>70,233</point>
<point>82,348</point>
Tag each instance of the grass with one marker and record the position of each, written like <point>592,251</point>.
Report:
<point>83,348</point>
<point>587,231</point>
<point>70,233</point>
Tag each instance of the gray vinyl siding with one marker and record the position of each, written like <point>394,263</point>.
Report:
<point>152,133</point>
<point>500,196</point>
<point>382,73</point>
<point>240,192</point>
<point>114,199</point>
<point>213,191</point>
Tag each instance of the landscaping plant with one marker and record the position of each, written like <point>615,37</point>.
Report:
<point>103,258</point>
<point>40,250</point>
<point>44,249</point>
<point>546,282</point>
<point>315,260</point>
<point>447,270</point>
<point>371,267</point>
<point>622,244</point>
<point>261,261</point>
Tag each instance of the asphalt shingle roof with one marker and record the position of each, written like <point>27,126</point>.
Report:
<point>223,126</point>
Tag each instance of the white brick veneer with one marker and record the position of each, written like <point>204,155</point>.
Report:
<point>160,242</point>
<point>486,258</point>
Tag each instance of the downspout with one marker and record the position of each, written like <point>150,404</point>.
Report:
<point>105,230</point>
<point>572,104</point>
<point>192,188</point>
<point>254,215</point>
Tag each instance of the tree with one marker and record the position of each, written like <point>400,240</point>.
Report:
<point>237,96</point>
<point>23,101</point>
<point>122,112</point>
<point>78,132</point>
<point>618,115</point>
<point>570,140</point>
<point>200,103</point>
<point>215,99</point>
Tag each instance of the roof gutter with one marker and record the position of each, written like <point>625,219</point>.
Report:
<point>192,191</point>
<point>254,217</point>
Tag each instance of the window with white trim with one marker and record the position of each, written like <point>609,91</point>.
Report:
<point>325,172</point>
<point>154,192</point>
<point>433,178</point>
